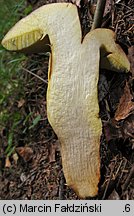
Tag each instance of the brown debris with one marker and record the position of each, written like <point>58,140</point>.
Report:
<point>131,59</point>
<point>128,180</point>
<point>7,163</point>
<point>15,158</point>
<point>52,154</point>
<point>21,102</point>
<point>128,127</point>
<point>25,152</point>
<point>114,196</point>
<point>108,7</point>
<point>126,105</point>
<point>124,130</point>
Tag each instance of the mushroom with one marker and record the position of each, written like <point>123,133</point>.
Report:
<point>72,94</point>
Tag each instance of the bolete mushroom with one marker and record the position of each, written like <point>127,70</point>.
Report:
<point>72,94</point>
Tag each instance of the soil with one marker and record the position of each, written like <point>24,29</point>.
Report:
<point>34,169</point>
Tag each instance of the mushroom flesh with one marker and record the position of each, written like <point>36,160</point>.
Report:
<point>72,94</point>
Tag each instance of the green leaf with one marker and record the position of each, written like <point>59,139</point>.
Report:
<point>10,142</point>
<point>27,118</point>
<point>35,121</point>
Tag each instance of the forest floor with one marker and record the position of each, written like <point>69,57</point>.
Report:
<point>30,160</point>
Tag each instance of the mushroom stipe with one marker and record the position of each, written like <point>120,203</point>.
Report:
<point>72,94</point>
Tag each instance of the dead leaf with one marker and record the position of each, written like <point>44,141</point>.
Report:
<point>131,59</point>
<point>21,103</point>
<point>7,163</point>
<point>108,7</point>
<point>25,152</point>
<point>126,105</point>
<point>111,131</point>
<point>114,131</point>
<point>128,127</point>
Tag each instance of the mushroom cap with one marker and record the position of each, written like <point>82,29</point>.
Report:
<point>26,40</point>
<point>23,34</point>
<point>30,35</point>
<point>27,35</point>
<point>112,57</point>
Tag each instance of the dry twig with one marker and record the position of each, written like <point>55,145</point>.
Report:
<point>98,14</point>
